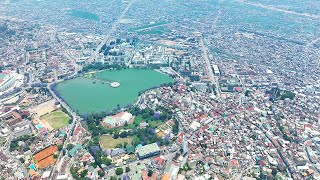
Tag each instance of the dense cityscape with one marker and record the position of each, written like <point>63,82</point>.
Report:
<point>160,90</point>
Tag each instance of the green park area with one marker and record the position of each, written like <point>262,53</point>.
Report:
<point>57,119</point>
<point>130,134</point>
<point>139,119</point>
<point>108,142</point>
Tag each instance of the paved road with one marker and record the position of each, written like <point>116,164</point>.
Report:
<point>76,119</point>
<point>213,78</point>
<point>107,37</point>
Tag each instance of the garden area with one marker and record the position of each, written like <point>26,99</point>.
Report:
<point>131,134</point>
<point>108,142</point>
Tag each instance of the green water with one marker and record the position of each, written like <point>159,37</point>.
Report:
<point>85,96</point>
<point>84,15</point>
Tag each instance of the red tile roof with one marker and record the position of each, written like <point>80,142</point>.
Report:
<point>158,160</point>
<point>45,158</point>
<point>144,175</point>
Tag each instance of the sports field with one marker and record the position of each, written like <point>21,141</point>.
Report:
<point>107,142</point>
<point>57,119</point>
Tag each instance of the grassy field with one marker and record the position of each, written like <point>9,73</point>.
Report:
<point>57,119</point>
<point>107,142</point>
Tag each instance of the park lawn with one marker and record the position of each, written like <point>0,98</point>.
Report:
<point>57,119</point>
<point>107,141</point>
<point>138,119</point>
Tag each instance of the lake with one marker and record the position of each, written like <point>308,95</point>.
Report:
<point>87,95</point>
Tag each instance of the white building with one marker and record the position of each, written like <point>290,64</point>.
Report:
<point>216,70</point>
<point>7,81</point>
<point>118,119</point>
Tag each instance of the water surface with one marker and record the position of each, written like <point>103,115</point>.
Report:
<point>86,95</point>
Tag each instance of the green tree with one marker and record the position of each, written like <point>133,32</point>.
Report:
<point>175,128</point>
<point>124,134</point>
<point>115,135</point>
<point>281,128</point>
<point>247,93</point>
<point>94,165</point>
<point>101,173</point>
<point>125,144</point>
<point>274,171</point>
<point>288,94</point>
<point>113,178</point>
<point>96,140</point>
<point>119,171</point>
<point>70,146</point>
<point>150,172</point>
<point>136,140</point>
<point>127,169</point>
<point>84,173</point>
<point>106,161</point>
<point>119,146</point>
<point>60,146</point>
<point>286,137</point>
<point>74,173</point>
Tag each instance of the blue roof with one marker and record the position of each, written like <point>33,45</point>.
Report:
<point>32,167</point>
<point>39,126</point>
<point>139,145</point>
<point>75,149</point>
<point>125,177</point>
<point>62,133</point>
